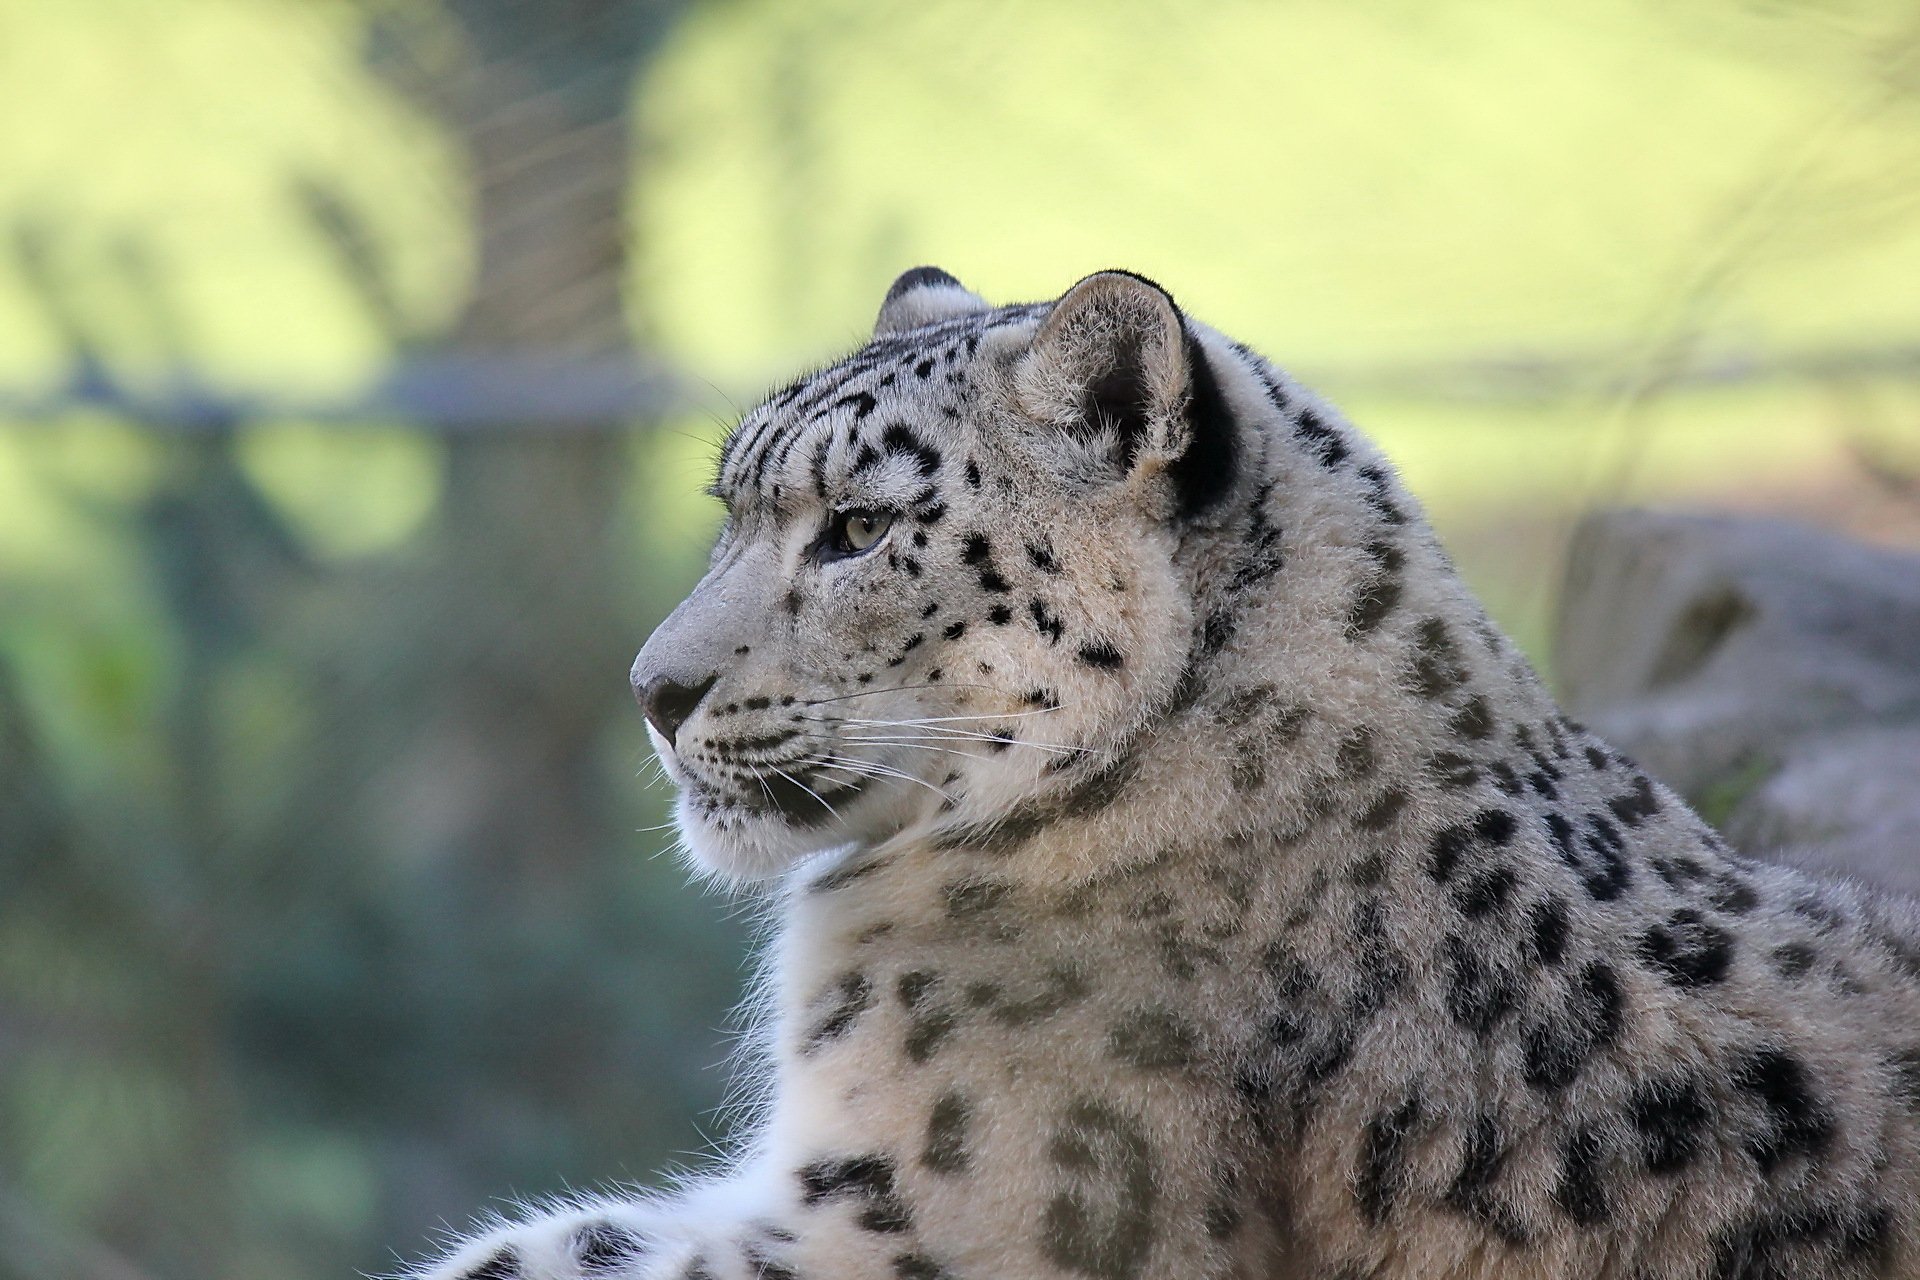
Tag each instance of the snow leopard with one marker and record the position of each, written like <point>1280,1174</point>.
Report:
<point>1177,875</point>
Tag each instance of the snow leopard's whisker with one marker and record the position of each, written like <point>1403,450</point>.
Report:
<point>936,732</point>
<point>932,724</point>
<point>978,715</point>
<point>899,688</point>
<point>916,746</point>
<point>911,739</point>
<point>868,768</point>
<point>919,730</point>
<point>872,769</point>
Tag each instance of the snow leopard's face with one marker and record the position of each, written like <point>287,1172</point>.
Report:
<point>946,581</point>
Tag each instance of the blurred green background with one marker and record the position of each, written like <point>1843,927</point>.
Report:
<point>360,363</point>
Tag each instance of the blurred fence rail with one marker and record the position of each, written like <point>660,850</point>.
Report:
<point>465,392</point>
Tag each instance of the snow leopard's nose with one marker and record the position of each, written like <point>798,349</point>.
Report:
<point>668,703</point>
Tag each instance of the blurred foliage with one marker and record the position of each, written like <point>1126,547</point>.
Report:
<point>331,902</point>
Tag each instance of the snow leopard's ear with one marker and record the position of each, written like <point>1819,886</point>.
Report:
<point>923,296</point>
<point>1116,371</point>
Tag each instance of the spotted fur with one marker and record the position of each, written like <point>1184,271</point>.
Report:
<point>1179,876</point>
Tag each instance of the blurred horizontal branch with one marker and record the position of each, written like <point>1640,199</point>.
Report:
<point>448,392</point>
<point>468,392</point>
<point>1549,377</point>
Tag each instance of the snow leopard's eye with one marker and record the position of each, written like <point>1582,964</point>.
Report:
<point>853,531</point>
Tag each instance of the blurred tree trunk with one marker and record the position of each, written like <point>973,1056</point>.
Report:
<point>512,634</point>
<point>519,627</point>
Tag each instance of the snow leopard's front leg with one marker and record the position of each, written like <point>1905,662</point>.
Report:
<point>948,1105</point>
<point>986,1158</point>
<point>747,1228</point>
<point>1082,1186</point>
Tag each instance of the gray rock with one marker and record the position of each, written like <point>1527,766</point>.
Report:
<point>1769,672</point>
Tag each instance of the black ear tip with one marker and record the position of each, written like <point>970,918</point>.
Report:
<point>920,278</point>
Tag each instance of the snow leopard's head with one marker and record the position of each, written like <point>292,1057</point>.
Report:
<point>947,582</point>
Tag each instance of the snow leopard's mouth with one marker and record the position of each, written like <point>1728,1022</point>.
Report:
<point>802,800</point>
<point>797,797</point>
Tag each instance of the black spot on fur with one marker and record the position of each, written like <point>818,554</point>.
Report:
<point>1381,813</point>
<point>1261,555</point>
<point>1046,622</point>
<point>1732,894</point>
<point>1042,557</point>
<point>918,1266</point>
<point>1062,987</point>
<point>1355,756</point>
<point>1451,843</point>
<point>1453,770</point>
<point>1437,667</point>
<point>1687,949</point>
<point>850,996</point>
<point>1797,1121</point>
<point>999,615</point>
<point>1556,1048</point>
<point>762,1265</point>
<point>1635,808</point>
<point>1216,632</point>
<point>606,1246</point>
<point>898,438</point>
<point>966,898</point>
<point>1152,1040</point>
<point>945,1152</point>
<point>1474,720</point>
<point>1101,1222</point>
<point>1547,926</point>
<point>1223,1214</point>
<point>1379,495</point>
<point>861,402</point>
<point>1372,605</point>
<point>1473,1189</point>
<point>503,1265</point>
<point>929,1022</point>
<point>1596,854</point>
<point>1321,440</point>
<point>1479,993</point>
<point>1368,872</point>
<point>1793,959</point>
<point>1581,1192</point>
<point>975,549</point>
<point>867,1180</point>
<point>1805,1240</point>
<point>954,630</point>
<point>1672,1119</point>
<point>1382,1176</point>
<point>1100,654</point>
<point>1444,852</point>
<point>1487,892</point>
